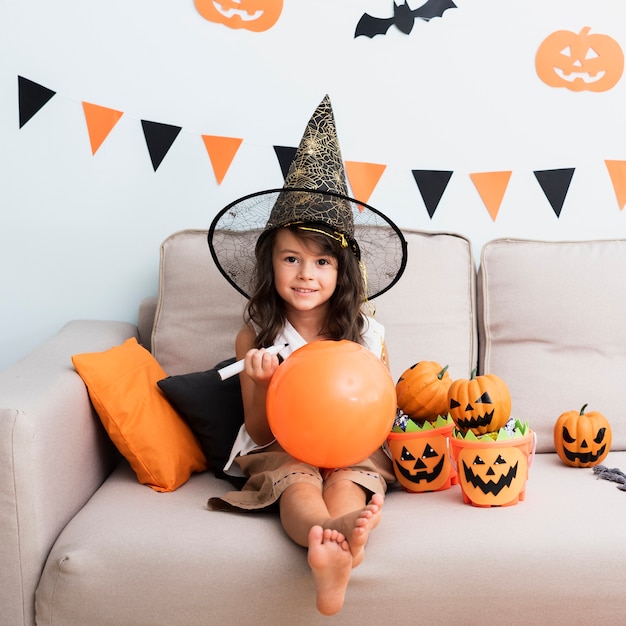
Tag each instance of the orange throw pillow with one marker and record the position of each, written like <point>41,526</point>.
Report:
<point>158,444</point>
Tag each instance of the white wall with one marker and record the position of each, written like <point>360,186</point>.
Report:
<point>80,234</point>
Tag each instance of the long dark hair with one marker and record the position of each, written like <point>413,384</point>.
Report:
<point>266,310</point>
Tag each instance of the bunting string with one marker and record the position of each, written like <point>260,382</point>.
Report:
<point>363,177</point>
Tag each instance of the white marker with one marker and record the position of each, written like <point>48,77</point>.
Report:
<point>236,368</point>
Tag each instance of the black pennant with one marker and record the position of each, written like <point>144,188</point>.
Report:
<point>431,185</point>
<point>159,139</point>
<point>555,184</point>
<point>32,97</point>
<point>285,155</point>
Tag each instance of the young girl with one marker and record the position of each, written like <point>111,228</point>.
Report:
<point>307,285</point>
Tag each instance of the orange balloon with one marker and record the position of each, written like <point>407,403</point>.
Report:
<point>331,403</point>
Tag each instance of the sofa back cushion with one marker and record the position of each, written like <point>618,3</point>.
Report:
<point>428,314</point>
<point>552,324</point>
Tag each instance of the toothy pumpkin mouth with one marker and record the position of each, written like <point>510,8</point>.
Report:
<point>242,13</point>
<point>585,77</point>
<point>490,486</point>
<point>583,457</point>
<point>480,421</point>
<point>420,475</point>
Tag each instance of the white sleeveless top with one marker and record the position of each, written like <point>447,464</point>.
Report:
<point>373,339</point>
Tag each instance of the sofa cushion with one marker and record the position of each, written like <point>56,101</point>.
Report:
<point>428,314</point>
<point>551,324</point>
<point>212,408</point>
<point>198,312</point>
<point>122,385</point>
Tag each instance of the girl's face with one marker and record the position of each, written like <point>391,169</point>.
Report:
<point>304,277</point>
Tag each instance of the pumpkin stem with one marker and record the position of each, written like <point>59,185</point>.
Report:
<point>582,411</point>
<point>473,375</point>
<point>442,373</point>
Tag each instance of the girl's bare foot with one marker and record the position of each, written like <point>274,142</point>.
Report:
<point>330,561</point>
<point>356,526</point>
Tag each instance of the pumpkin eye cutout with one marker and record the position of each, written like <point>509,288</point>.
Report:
<point>600,436</point>
<point>567,437</point>
<point>499,460</point>
<point>406,455</point>
<point>484,399</point>
<point>429,452</point>
<point>478,461</point>
<point>454,404</point>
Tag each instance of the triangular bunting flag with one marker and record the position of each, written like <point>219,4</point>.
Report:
<point>555,184</point>
<point>31,98</point>
<point>221,151</point>
<point>431,185</point>
<point>617,172</point>
<point>100,122</point>
<point>363,178</point>
<point>491,186</point>
<point>159,139</point>
<point>285,155</point>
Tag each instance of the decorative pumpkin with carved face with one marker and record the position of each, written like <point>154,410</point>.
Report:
<point>254,15</point>
<point>579,62</point>
<point>582,439</point>
<point>481,404</point>
<point>422,460</point>
<point>422,390</point>
<point>493,473</point>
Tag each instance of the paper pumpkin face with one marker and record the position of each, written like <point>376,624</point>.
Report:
<point>493,475</point>
<point>579,61</point>
<point>422,460</point>
<point>481,404</point>
<point>254,15</point>
<point>582,439</point>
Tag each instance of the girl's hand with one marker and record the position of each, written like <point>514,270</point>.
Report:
<point>260,365</point>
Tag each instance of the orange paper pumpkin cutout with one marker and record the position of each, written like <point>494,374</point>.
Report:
<point>579,61</point>
<point>254,15</point>
<point>421,460</point>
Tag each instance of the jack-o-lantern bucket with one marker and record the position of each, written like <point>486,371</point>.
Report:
<point>421,459</point>
<point>493,473</point>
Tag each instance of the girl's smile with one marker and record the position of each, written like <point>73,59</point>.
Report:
<point>304,277</point>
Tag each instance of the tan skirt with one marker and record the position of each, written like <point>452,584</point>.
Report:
<point>271,470</point>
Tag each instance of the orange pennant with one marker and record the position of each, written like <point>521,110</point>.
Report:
<point>363,178</point>
<point>221,151</point>
<point>100,121</point>
<point>491,187</point>
<point>617,172</point>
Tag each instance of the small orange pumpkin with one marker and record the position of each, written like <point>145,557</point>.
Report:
<point>582,439</point>
<point>481,404</point>
<point>579,62</point>
<point>254,15</point>
<point>422,391</point>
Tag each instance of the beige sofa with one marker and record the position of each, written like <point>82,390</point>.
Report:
<point>84,543</point>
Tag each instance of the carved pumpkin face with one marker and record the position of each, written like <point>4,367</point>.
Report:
<point>579,62</point>
<point>493,475</point>
<point>254,15</point>
<point>582,439</point>
<point>421,460</point>
<point>481,404</point>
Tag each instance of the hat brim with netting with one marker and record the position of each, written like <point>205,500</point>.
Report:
<point>373,237</point>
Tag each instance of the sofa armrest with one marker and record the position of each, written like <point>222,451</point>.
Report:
<point>54,454</point>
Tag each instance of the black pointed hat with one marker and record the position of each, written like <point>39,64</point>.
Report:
<point>315,193</point>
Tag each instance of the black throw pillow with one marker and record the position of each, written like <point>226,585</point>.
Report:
<point>213,410</point>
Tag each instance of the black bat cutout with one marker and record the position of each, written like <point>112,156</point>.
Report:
<point>403,18</point>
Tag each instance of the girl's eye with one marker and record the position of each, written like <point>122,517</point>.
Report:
<point>291,259</point>
<point>324,262</point>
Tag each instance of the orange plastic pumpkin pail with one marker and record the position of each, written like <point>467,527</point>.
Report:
<point>493,473</point>
<point>421,459</point>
